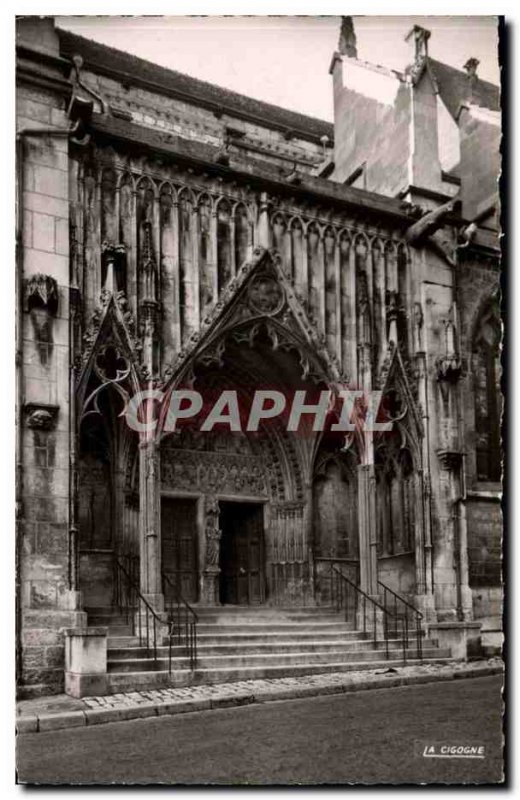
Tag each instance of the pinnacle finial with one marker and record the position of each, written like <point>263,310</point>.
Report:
<point>347,38</point>
<point>420,37</point>
<point>471,67</point>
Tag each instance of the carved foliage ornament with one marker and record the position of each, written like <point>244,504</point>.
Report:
<point>41,291</point>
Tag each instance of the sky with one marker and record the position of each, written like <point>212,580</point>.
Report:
<point>285,60</point>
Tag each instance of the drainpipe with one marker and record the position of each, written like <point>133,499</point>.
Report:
<point>77,60</point>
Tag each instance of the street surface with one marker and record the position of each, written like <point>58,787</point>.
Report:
<point>370,736</point>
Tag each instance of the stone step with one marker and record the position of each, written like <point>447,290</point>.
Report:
<point>281,647</point>
<point>268,619</point>
<point>237,640</point>
<point>263,609</point>
<point>128,681</point>
<point>122,641</point>
<point>246,660</point>
<point>266,614</point>
<point>245,636</point>
<point>273,627</point>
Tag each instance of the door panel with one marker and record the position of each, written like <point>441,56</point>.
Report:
<point>242,554</point>
<point>179,547</point>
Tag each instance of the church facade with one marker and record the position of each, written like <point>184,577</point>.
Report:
<point>174,234</point>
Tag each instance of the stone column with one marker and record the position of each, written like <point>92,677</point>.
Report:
<point>350,322</point>
<point>150,523</point>
<point>264,238</point>
<point>451,463</point>
<point>367,528</point>
<point>424,599</point>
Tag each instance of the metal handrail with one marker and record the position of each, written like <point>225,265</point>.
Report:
<point>415,611</point>
<point>401,599</point>
<point>188,626</point>
<point>149,611</point>
<point>375,605</point>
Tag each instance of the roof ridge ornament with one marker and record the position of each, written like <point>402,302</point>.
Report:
<point>470,68</point>
<point>347,45</point>
<point>420,38</point>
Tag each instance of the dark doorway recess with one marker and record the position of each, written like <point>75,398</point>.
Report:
<point>242,559</point>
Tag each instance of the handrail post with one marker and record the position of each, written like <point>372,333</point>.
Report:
<point>419,638</point>
<point>183,622</point>
<point>140,622</point>
<point>170,651</point>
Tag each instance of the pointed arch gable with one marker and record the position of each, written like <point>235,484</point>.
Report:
<point>112,323</point>
<point>259,292</point>
<point>408,421</point>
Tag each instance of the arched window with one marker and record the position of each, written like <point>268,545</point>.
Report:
<point>403,294</point>
<point>223,244</point>
<point>206,278</point>
<point>487,395</point>
<point>241,235</point>
<point>335,505</point>
<point>395,500</point>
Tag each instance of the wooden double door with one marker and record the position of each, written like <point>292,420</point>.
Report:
<point>179,548</point>
<point>242,557</point>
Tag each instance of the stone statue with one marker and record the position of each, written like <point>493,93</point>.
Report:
<point>213,533</point>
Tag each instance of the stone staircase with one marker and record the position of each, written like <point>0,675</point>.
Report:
<point>239,643</point>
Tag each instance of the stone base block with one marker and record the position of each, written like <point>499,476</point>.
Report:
<point>209,589</point>
<point>86,661</point>
<point>425,603</point>
<point>85,685</point>
<point>462,638</point>
<point>370,617</point>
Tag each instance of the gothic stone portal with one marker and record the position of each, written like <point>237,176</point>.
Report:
<point>227,534</point>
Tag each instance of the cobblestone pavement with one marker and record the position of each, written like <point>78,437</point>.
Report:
<point>255,686</point>
<point>61,711</point>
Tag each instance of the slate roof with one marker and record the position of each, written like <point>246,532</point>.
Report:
<point>116,63</point>
<point>453,88</point>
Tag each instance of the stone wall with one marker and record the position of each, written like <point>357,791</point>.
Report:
<point>45,588</point>
<point>484,541</point>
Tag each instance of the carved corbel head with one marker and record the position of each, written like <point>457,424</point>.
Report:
<point>41,416</point>
<point>449,370</point>
<point>450,460</point>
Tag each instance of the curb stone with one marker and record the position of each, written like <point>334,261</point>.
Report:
<point>31,723</point>
<point>231,700</point>
<point>172,707</point>
<point>27,724</point>
<point>66,719</point>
